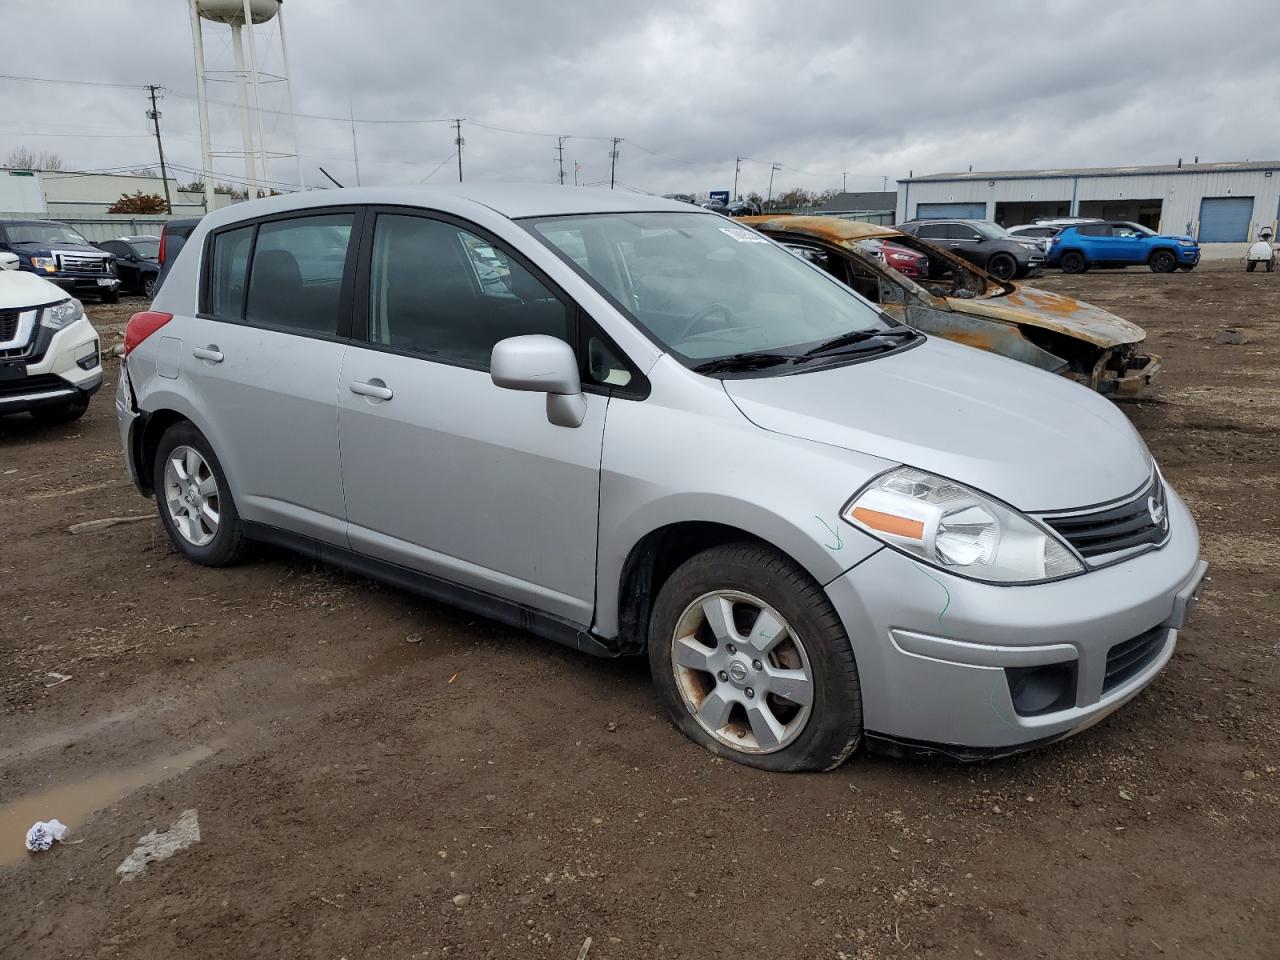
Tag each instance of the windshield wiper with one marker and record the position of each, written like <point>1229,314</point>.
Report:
<point>858,336</point>
<point>744,361</point>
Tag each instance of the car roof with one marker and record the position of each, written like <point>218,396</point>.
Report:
<point>511,200</point>
<point>831,229</point>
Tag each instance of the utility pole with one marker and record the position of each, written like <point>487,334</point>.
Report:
<point>560,150</point>
<point>576,167</point>
<point>884,184</point>
<point>613,159</point>
<point>844,181</point>
<point>737,168</point>
<point>355,153</point>
<point>458,142</point>
<point>154,116</point>
<point>773,168</point>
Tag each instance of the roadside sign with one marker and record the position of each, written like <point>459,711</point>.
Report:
<point>721,195</point>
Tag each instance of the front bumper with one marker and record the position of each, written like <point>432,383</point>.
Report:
<point>67,371</point>
<point>1188,254</point>
<point>939,656</point>
<point>86,284</point>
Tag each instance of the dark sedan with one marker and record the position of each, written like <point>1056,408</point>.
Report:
<point>981,242</point>
<point>137,262</point>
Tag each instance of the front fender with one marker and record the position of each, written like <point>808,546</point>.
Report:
<point>718,467</point>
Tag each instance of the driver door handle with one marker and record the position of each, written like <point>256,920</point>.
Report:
<point>210,353</point>
<point>374,388</point>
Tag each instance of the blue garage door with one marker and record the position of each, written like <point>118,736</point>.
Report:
<point>951,211</point>
<point>1225,219</point>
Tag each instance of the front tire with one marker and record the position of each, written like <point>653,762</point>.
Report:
<point>149,286</point>
<point>1163,261</point>
<point>751,661</point>
<point>1073,261</point>
<point>193,498</point>
<point>1248,267</point>
<point>1002,266</point>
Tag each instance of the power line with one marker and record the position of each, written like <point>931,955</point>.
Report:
<point>75,83</point>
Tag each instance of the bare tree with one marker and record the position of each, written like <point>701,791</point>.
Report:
<point>20,158</point>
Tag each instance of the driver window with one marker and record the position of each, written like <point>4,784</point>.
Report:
<point>440,291</point>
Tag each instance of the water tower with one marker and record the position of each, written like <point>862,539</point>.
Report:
<point>246,18</point>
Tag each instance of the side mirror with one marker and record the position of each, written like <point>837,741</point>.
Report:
<point>542,364</point>
<point>8,261</point>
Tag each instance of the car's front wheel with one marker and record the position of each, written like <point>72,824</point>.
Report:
<point>1163,261</point>
<point>1002,266</point>
<point>109,295</point>
<point>195,503</point>
<point>751,661</point>
<point>149,285</point>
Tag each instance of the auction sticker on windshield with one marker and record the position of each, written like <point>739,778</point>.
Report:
<point>743,236</point>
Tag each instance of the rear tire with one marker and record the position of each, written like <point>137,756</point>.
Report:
<point>1002,266</point>
<point>1249,267</point>
<point>193,498</point>
<point>739,639</point>
<point>1163,261</point>
<point>1073,261</point>
<point>68,413</point>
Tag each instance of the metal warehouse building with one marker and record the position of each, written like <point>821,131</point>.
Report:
<point>1213,202</point>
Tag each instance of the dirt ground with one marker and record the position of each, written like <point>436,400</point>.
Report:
<point>358,758</point>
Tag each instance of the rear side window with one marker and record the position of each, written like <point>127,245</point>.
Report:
<point>438,290</point>
<point>932,231</point>
<point>296,279</point>
<point>1094,230</point>
<point>230,269</point>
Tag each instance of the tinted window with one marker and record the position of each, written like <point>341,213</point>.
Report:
<point>227,277</point>
<point>1094,230</point>
<point>116,247</point>
<point>438,290</point>
<point>960,231</point>
<point>932,231</point>
<point>296,280</point>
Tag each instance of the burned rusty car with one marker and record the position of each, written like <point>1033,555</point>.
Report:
<point>959,301</point>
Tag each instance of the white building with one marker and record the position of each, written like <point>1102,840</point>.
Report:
<point>70,194</point>
<point>1214,202</point>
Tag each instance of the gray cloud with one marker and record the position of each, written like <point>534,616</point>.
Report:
<point>871,89</point>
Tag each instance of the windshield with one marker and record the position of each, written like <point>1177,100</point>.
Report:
<point>708,288</point>
<point>42,233</point>
<point>147,249</point>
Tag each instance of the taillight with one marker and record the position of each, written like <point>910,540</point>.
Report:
<point>141,326</point>
<point>164,235</point>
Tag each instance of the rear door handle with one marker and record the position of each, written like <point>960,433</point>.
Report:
<point>374,388</point>
<point>210,353</point>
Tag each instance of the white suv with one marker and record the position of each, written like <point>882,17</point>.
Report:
<point>49,357</point>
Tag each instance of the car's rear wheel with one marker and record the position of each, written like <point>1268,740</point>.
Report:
<point>149,285</point>
<point>66,413</point>
<point>751,661</point>
<point>1074,262</point>
<point>195,503</point>
<point>1002,266</point>
<point>1163,261</point>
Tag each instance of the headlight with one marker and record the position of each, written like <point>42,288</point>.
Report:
<point>1186,243</point>
<point>957,529</point>
<point>47,264</point>
<point>60,314</point>
<point>1029,245</point>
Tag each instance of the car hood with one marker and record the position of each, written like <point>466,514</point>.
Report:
<point>20,290</point>
<point>40,247</point>
<point>1052,311</point>
<point>1035,440</point>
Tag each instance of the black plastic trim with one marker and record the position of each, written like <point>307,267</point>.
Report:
<point>575,635</point>
<point>902,748</point>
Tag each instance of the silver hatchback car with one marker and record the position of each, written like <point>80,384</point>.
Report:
<point>636,427</point>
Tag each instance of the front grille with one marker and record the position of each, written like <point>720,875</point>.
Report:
<point>88,264</point>
<point>8,326</point>
<point>1140,520</point>
<point>1128,659</point>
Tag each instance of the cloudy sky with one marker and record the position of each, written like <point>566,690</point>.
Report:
<point>874,90</point>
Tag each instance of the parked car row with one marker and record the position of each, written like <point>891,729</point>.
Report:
<point>1077,244</point>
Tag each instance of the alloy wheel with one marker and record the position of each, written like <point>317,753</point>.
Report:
<point>191,495</point>
<point>742,672</point>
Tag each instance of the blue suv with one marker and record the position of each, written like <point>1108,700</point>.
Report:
<point>1119,243</point>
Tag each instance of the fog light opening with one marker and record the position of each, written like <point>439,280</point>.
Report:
<point>1043,689</point>
<point>89,361</point>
